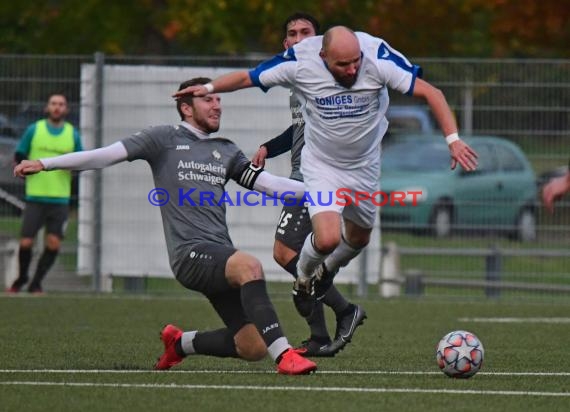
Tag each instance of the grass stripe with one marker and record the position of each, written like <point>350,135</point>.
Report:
<point>288,388</point>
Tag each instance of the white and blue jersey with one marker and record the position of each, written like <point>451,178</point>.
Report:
<point>343,127</point>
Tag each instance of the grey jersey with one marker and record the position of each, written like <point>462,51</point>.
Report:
<point>298,136</point>
<point>190,169</point>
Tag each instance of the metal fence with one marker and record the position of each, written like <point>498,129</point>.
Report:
<point>525,101</point>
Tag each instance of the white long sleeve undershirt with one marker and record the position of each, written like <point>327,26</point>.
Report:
<point>116,152</point>
<point>88,159</point>
<point>268,183</point>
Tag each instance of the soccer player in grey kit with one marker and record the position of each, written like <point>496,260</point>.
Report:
<point>184,159</point>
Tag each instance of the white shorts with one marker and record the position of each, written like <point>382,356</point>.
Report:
<point>341,190</point>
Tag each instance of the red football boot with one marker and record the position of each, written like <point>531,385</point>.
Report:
<point>169,335</point>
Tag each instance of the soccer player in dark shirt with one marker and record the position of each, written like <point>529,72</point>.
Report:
<point>185,159</point>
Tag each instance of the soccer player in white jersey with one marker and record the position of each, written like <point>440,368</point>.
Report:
<point>295,225</point>
<point>339,78</point>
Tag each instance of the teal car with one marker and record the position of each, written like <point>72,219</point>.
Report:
<point>425,195</point>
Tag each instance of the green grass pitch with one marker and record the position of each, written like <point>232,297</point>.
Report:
<point>95,353</point>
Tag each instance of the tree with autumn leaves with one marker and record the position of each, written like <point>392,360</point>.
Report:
<point>420,28</point>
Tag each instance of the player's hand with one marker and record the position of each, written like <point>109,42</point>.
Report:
<point>28,167</point>
<point>258,158</point>
<point>554,190</point>
<point>197,90</point>
<point>463,154</point>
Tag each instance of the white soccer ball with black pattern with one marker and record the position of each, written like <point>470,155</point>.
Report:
<point>459,354</point>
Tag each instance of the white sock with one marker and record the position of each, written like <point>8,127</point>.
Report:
<point>278,346</point>
<point>309,258</point>
<point>341,256</point>
<point>187,342</point>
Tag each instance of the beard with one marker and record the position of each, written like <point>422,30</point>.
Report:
<point>208,126</point>
<point>56,117</point>
<point>347,82</point>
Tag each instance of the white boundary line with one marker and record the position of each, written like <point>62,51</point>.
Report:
<point>258,372</point>
<point>516,320</point>
<point>288,388</point>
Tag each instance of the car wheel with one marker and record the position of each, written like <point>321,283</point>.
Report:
<point>526,226</point>
<point>441,221</point>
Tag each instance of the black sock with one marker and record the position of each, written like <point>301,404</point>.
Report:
<point>291,267</point>
<point>323,340</point>
<point>260,311</point>
<point>335,301</point>
<point>349,309</point>
<point>46,261</point>
<point>218,343</point>
<point>317,324</point>
<point>24,259</point>
<point>178,348</point>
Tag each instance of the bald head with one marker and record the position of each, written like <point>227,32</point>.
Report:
<point>342,55</point>
<point>339,37</point>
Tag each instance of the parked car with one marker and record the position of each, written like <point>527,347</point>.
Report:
<point>31,112</point>
<point>545,177</point>
<point>27,114</point>
<point>500,195</point>
<point>7,129</point>
<point>410,119</point>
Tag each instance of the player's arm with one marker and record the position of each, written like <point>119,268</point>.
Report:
<point>78,145</point>
<point>90,159</point>
<point>255,178</point>
<point>19,156</point>
<point>226,83</point>
<point>438,104</point>
<point>279,70</point>
<point>460,152</point>
<point>554,190</point>
<point>24,145</point>
<point>274,147</point>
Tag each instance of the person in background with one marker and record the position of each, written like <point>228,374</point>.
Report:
<point>47,194</point>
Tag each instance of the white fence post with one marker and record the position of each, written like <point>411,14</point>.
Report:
<point>9,263</point>
<point>390,278</point>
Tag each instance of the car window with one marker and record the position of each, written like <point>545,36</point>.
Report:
<point>487,160</point>
<point>405,124</point>
<point>6,129</point>
<point>509,160</point>
<point>414,156</point>
<point>410,119</point>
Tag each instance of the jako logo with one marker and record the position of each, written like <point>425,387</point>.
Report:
<point>183,147</point>
<point>268,328</point>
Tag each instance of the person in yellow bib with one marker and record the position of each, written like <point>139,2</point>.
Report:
<point>47,194</point>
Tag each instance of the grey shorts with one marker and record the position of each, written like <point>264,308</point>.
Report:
<point>293,227</point>
<point>52,216</point>
<point>204,270</point>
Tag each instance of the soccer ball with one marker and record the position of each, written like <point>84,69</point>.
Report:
<point>459,354</point>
